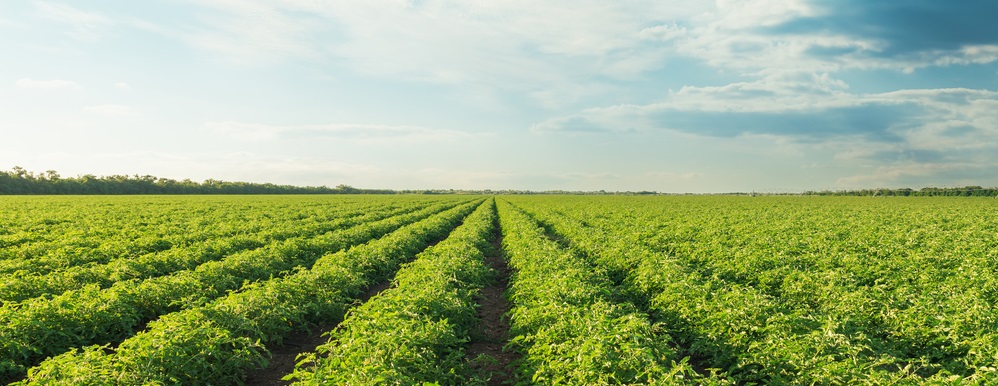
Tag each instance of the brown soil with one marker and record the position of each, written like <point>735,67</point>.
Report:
<point>284,357</point>
<point>493,331</point>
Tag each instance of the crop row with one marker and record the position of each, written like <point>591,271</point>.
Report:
<point>802,294</point>
<point>607,290</point>
<point>63,233</point>
<point>40,327</point>
<point>17,287</point>
<point>565,320</point>
<point>415,332</point>
<point>127,233</point>
<point>220,341</point>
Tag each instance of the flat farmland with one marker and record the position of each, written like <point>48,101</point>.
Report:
<point>490,290</point>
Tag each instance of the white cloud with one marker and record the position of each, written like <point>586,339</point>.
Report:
<point>737,35</point>
<point>496,46</point>
<point>662,33</point>
<point>781,93</point>
<point>53,84</point>
<point>513,46</point>
<point>773,91</point>
<point>740,14</point>
<point>111,110</point>
<point>743,80</point>
<point>908,136</point>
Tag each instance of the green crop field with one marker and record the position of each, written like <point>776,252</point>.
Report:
<point>455,290</point>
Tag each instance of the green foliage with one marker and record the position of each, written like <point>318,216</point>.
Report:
<point>20,181</point>
<point>40,327</point>
<point>566,323</point>
<point>606,290</point>
<point>803,290</point>
<point>413,333</point>
<point>219,341</point>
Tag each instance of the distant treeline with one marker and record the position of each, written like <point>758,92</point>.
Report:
<point>966,191</point>
<point>20,181</point>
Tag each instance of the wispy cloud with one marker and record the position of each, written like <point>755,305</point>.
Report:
<point>514,46</point>
<point>86,26</point>
<point>68,14</point>
<point>576,125</point>
<point>803,106</point>
<point>644,94</point>
<point>112,110</point>
<point>354,132</point>
<point>53,84</point>
<point>253,32</point>
<point>914,136</point>
<point>501,47</point>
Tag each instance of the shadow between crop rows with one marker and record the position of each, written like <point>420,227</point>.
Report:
<point>486,351</point>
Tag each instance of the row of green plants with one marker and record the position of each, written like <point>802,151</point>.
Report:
<point>55,232</point>
<point>607,290</point>
<point>617,255</point>
<point>41,327</point>
<point>24,285</point>
<point>415,332</point>
<point>805,291</point>
<point>37,221</point>
<point>92,248</point>
<point>220,341</point>
<point>567,321</point>
<point>907,289</point>
<point>66,232</point>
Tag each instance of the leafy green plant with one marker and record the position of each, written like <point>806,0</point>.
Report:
<point>42,327</point>
<point>413,333</point>
<point>565,321</point>
<point>252,317</point>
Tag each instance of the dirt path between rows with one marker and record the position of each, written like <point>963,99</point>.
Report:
<point>284,357</point>
<point>493,331</point>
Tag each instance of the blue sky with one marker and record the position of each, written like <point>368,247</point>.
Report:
<point>675,96</point>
